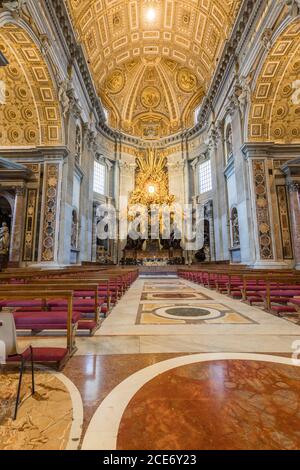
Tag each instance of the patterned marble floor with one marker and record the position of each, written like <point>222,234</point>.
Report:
<point>171,351</point>
<point>217,405</point>
<point>199,321</point>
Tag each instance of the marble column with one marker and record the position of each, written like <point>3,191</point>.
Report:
<point>294,191</point>
<point>117,184</point>
<point>117,206</point>
<point>187,182</point>
<point>16,240</point>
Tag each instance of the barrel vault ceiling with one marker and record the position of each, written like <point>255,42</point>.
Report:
<point>152,60</point>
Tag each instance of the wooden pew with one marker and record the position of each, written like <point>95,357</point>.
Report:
<point>33,293</point>
<point>90,287</point>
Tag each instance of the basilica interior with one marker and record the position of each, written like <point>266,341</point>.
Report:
<point>149,225</point>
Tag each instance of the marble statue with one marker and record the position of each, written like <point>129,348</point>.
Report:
<point>63,96</point>
<point>4,239</point>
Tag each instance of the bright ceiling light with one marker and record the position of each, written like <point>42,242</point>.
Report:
<point>151,189</point>
<point>151,14</point>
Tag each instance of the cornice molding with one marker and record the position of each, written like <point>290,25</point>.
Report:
<point>270,150</point>
<point>38,152</point>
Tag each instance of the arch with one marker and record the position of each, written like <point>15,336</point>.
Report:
<point>275,107</point>
<point>30,115</point>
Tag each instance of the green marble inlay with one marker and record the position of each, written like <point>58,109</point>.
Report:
<point>188,312</point>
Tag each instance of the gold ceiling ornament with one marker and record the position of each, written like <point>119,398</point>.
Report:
<point>275,108</point>
<point>29,112</point>
<point>173,47</point>
<point>152,181</point>
<point>150,97</point>
<point>186,80</point>
<point>115,82</point>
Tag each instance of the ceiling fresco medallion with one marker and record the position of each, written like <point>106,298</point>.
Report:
<point>186,80</point>
<point>150,97</point>
<point>116,81</point>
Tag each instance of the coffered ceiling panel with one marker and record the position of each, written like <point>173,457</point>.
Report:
<point>152,60</point>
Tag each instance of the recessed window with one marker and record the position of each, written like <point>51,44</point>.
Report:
<point>205,183</point>
<point>99,178</point>
<point>196,113</point>
<point>105,113</point>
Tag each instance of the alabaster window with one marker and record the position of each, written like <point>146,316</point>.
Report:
<point>196,113</point>
<point>99,178</point>
<point>105,114</point>
<point>205,181</point>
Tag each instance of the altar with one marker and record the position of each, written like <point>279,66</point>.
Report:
<point>155,262</point>
<point>154,257</point>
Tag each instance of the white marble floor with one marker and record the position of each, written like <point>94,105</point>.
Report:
<point>119,333</point>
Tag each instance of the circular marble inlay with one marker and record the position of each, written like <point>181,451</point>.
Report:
<point>188,312</point>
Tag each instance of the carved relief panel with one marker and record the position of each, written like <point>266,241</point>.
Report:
<point>283,210</point>
<point>51,186</point>
<point>262,210</point>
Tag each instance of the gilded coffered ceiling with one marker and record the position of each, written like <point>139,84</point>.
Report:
<point>152,60</point>
<point>29,108</point>
<point>275,110</point>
